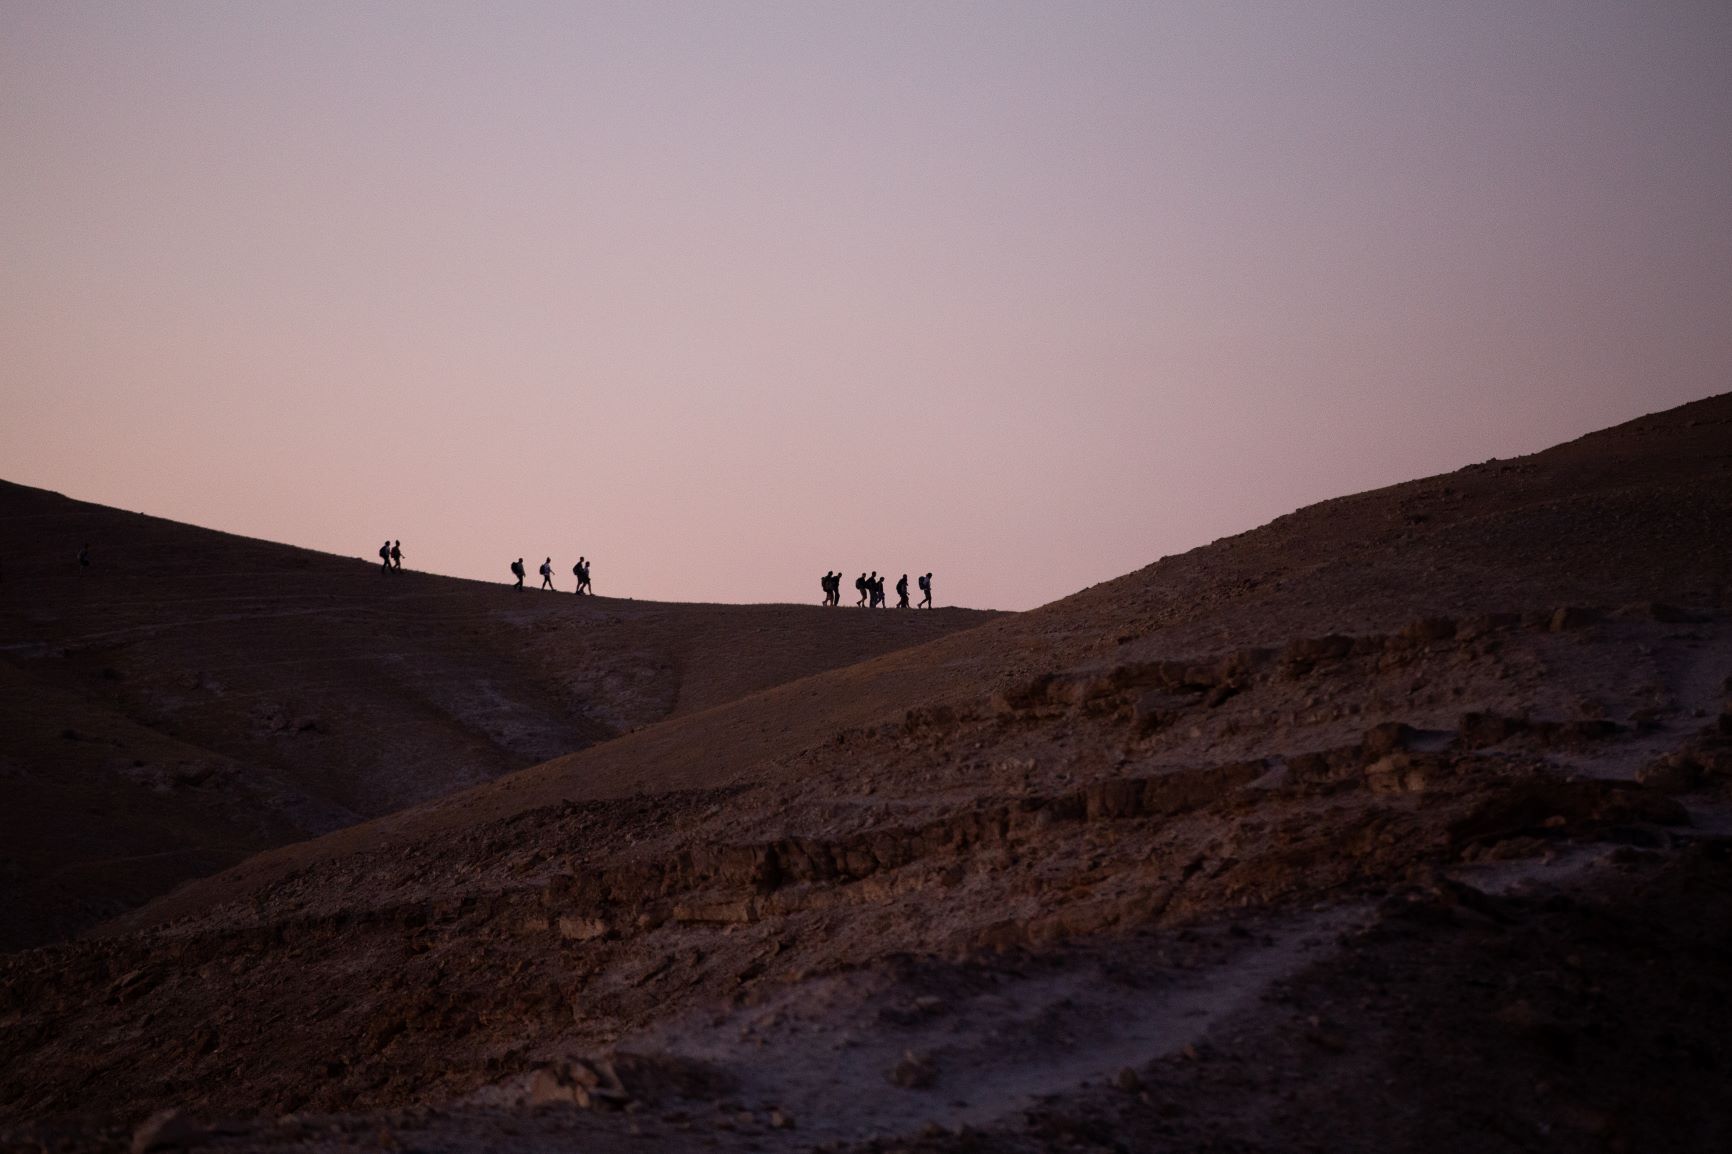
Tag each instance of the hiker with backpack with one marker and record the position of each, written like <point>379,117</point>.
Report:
<point>517,571</point>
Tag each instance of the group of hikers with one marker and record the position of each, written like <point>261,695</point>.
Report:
<point>869,586</point>
<point>579,570</point>
<point>871,590</point>
<point>391,561</point>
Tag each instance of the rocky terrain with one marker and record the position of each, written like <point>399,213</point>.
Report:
<point>1403,822</point>
<point>192,697</point>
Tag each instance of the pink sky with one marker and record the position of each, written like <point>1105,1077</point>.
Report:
<point>726,295</point>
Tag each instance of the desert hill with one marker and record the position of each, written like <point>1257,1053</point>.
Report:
<point>1630,514</point>
<point>193,697</point>
<point>1401,822</point>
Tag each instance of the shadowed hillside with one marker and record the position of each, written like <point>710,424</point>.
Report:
<point>193,697</point>
<point>1403,822</point>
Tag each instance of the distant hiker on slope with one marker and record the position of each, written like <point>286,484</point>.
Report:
<point>902,592</point>
<point>828,585</point>
<point>517,571</point>
<point>385,556</point>
<point>547,574</point>
<point>926,588</point>
<point>397,556</point>
<point>583,577</point>
<point>860,584</point>
<point>875,586</point>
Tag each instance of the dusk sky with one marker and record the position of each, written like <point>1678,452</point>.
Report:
<point>724,295</point>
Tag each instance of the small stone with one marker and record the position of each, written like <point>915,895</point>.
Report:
<point>545,1089</point>
<point>1128,1080</point>
<point>780,1120</point>
<point>1571,617</point>
<point>913,1072</point>
<point>1327,1040</point>
<point>575,929</point>
<point>167,1130</point>
<point>1518,1015</point>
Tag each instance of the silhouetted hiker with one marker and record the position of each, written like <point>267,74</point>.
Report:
<point>902,592</point>
<point>547,573</point>
<point>926,588</point>
<point>397,555</point>
<point>517,571</point>
<point>84,556</point>
<point>828,584</point>
<point>860,584</point>
<point>583,577</point>
<point>875,586</point>
<point>385,556</point>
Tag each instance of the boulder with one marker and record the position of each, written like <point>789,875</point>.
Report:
<point>1674,773</point>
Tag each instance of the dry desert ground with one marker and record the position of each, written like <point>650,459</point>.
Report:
<point>1403,822</point>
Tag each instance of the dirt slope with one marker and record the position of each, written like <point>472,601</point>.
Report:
<point>1402,822</point>
<point>1629,514</point>
<point>192,697</point>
